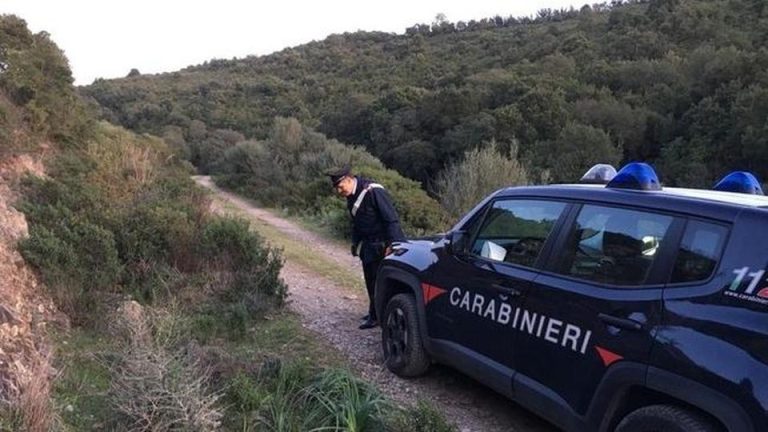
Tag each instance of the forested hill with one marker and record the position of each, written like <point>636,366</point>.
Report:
<point>681,83</point>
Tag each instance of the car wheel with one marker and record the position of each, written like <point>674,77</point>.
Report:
<point>404,352</point>
<point>665,418</point>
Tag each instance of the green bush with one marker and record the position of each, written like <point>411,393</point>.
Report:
<point>77,259</point>
<point>36,76</point>
<point>117,216</point>
<point>288,171</point>
<point>156,232</point>
<point>227,244</point>
<point>419,214</point>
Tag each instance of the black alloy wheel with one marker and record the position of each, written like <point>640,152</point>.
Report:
<point>401,341</point>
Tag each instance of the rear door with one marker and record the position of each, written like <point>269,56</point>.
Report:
<point>481,288</point>
<point>596,305</point>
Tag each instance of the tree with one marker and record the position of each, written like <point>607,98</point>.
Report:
<point>576,148</point>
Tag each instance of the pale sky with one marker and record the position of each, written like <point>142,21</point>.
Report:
<point>105,39</point>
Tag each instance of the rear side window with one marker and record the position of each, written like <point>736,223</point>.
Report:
<point>514,231</point>
<point>614,246</point>
<point>699,252</point>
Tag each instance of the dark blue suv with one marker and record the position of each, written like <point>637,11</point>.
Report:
<point>626,306</point>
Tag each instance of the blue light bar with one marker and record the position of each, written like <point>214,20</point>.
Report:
<point>741,182</point>
<point>636,175</point>
<point>599,174</point>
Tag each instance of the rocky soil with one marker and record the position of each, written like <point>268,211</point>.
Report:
<point>24,309</point>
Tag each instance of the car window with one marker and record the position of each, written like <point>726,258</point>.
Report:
<point>613,246</point>
<point>514,231</point>
<point>699,252</point>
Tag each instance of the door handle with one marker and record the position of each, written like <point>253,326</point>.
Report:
<point>625,323</point>
<point>514,292</point>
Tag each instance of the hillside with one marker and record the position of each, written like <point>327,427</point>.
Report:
<point>128,303</point>
<point>681,83</point>
<point>36,107</point>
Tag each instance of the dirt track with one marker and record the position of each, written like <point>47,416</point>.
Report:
<point>332,312</point>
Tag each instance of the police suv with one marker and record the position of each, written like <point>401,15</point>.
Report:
<point>622,306</point>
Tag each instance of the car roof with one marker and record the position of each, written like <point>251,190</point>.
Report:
<point>697,202</point>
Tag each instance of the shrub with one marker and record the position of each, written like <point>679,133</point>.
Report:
<point>77,260</point>
<point>228,245</point>
<point>156,384</point>
<point>288,170</point>
<point>118,216</point>
<point>482,171</point>
<point>156,232</point>
<point>36,76</point>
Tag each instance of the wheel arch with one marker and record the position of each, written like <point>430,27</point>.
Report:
<point>391,281</point>
<point>626,389</point>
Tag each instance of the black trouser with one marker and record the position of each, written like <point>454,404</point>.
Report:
<point>369,272</point>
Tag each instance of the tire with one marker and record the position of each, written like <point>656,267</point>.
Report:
<point>404,352</point>
<point>665,418</point>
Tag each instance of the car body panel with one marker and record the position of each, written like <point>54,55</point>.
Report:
<point>704,343</point>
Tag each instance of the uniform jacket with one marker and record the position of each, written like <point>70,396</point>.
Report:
<point>375,223</point>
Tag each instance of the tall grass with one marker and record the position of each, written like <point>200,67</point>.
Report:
<point>25,403</point>
<point>296,398</point>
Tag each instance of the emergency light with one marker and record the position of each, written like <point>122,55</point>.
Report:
<point>741,182</point>
<point>635,175</point>
<point>599,174</point>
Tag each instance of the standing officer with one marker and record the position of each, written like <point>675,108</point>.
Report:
<point>375,226</point>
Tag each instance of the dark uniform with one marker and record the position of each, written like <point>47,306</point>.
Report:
<point>375,226</point>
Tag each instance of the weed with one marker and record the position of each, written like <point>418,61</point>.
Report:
<point>424,417</point>
<point>79,392</point>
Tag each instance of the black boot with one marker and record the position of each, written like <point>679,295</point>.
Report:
<point>369,323</point>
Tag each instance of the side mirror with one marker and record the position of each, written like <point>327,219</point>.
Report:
<point>457,242</point>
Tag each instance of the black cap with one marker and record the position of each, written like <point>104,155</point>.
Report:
<point>338,174</point>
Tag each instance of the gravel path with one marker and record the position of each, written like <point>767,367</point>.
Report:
<point>329,310</point>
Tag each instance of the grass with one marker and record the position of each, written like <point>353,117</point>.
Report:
<point>84,358</point>
<point>80,392</point>
<point>277,335</point>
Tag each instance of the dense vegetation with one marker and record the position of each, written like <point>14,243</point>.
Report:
<point>177,311</point>
<point>680,83</point>
<point>287,170</point>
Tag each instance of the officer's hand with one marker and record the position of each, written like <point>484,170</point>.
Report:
<point>354,250</point>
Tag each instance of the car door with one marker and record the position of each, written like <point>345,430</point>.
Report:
<point>484,284</point>
<point>596,303</point>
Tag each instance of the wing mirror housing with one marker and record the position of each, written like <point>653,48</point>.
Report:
<point>456,242</point>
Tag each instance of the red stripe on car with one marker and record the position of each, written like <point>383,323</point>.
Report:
<point>431,292</point>
<point>608,357</point>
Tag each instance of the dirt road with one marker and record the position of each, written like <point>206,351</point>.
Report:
<point>330,310</point>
